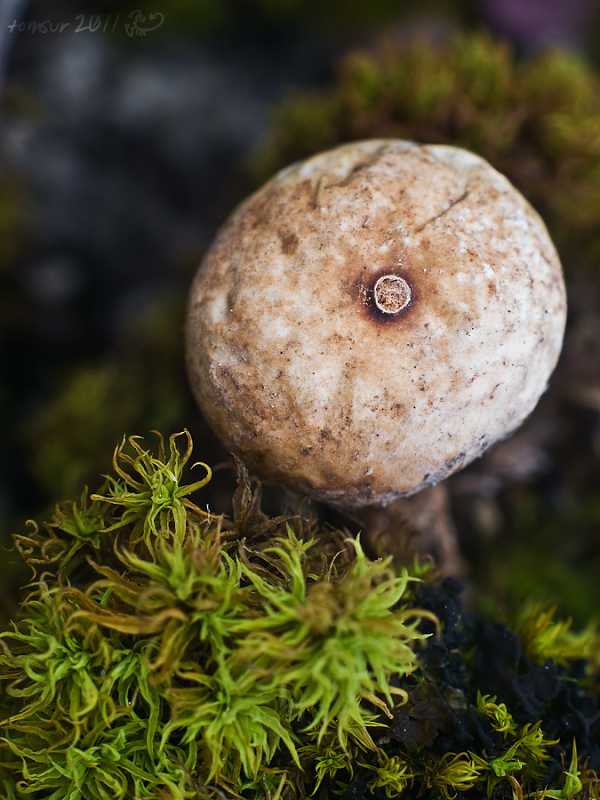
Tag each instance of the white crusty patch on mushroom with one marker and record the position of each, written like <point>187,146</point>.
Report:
<point>373,319</point>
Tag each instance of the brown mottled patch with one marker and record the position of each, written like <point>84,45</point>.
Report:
<point>325,434</point>
<point>289,241</point>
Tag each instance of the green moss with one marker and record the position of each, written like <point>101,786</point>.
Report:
<point>164,651</point>
<point>160,650</point>
<point>544,637</point>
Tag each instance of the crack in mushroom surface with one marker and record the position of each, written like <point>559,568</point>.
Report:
<point>373,319</point>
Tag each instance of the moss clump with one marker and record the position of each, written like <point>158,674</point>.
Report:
<point>535,120</point>
<point>163,651</point>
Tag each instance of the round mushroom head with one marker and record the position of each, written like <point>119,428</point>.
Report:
<point>373,319</point>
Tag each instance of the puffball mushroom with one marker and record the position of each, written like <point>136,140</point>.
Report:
<point>373,319</point>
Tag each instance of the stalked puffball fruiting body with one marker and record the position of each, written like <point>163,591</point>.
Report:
<point>373,319</point>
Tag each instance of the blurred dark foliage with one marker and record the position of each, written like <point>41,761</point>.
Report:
<point>536,121</point>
